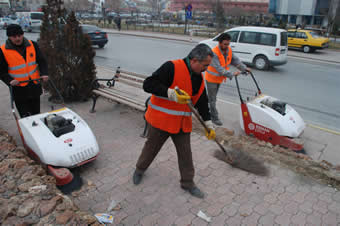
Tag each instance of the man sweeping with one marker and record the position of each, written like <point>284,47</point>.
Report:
<point>219,71</point>
<point>169,115</point>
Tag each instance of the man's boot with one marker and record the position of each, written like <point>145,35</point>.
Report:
<point>214,114</point>
<point>217,122</point>
<point>137,177</point>
<point>195,191</point>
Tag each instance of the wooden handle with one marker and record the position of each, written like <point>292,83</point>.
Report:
<point>192,108</point>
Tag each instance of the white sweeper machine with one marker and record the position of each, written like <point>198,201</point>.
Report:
<point>271,120</point>
<point>60,140</point>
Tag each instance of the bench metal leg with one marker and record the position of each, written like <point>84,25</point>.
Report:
<point>94,98</point>
<point>146,130</point>
<point>146,127</point>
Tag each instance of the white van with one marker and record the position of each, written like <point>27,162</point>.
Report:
<point>30,21</point>
<point>259,46</point>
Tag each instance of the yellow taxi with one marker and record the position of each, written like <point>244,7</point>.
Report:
<point>307,40</point>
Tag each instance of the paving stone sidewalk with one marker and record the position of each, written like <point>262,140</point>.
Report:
<point>233,197</point>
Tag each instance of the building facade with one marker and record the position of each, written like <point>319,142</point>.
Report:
<point>256,6</point>
<point>301,12</point>
<point>27,5</point>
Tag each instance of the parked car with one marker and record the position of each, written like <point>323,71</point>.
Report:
<point>97,36</point>
<point>307,40</point>
<point>4,22</point>
<point>30,21</point>
<point>259,46</point>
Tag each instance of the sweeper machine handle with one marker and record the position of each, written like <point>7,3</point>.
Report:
<point>192,108</point>
<point>50,82</point>
<point>238,87</point>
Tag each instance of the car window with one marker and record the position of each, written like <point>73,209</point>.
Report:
<point>284,39</point>
<point>315,35</point>
<point>267,39</point>
<point>291,34</point>
<point>90,28</point>
<point>37,16</point>
<point>301,35</point>
<point>248,37</point>
<point>233,35</point>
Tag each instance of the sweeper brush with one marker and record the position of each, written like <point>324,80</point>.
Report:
<point>235,158</point>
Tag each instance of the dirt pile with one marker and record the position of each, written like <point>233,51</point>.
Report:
<point>28,196</point>
<point>323,172</point>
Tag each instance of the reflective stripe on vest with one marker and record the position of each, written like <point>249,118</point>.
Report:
<point>211,74</point>
<point>170,112</point>
<point>18,68</point>
<point>168,115</point>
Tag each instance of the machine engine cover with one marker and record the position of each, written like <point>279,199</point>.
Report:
<point>275,115</point>
<point>59,138</point>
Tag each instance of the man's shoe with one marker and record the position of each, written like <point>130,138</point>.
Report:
<point>217,122</point>
<point>195,191</point>
<point>137,178</point>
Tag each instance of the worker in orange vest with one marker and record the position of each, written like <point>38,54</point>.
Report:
<point>20,60</point>
<point>219,71</point>
<point>169,115</point>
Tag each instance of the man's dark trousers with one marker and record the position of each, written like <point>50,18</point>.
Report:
<point>156,139</point>
<point>27,107</point>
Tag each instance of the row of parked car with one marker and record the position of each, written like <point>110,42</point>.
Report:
<point>5,21</point>
<point>264,47</point>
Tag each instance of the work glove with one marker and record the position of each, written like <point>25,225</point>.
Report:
<point>211,134</point>
<point>182,98</point>
<point>14,82</point>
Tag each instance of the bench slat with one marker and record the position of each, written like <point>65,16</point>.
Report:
<point>120,100</point>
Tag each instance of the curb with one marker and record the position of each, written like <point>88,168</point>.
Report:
<point>155,37</point>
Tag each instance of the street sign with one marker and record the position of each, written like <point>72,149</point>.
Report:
<point>188,11</point>
<point>189,7</point>
<point>188,14</point>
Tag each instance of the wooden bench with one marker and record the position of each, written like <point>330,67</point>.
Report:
<point>123,87</point>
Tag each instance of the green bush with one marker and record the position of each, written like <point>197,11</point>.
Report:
<point>69,53</point>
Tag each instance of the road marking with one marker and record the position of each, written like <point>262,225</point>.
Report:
<point>324,129</point>
<point>306,59</point>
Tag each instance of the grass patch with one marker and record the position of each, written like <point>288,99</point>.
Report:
<point>334,45</point>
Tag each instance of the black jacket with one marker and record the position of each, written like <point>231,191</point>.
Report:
<point>159,82</point>
<point>32,90</point>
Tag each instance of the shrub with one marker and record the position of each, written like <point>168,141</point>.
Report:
<point>69,53</point>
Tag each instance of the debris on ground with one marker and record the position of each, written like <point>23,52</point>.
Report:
<point>203,216</point>
<point>322,171</point>
<point>114,206</point>
<point>104,218</point>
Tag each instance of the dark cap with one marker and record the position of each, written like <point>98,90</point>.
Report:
<point>14,29</point>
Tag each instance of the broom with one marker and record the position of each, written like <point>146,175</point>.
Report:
<point>235,158</point>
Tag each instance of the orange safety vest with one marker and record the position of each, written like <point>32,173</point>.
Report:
<point>18,68</point>
<point>211,74</point>
<point>168,115</point>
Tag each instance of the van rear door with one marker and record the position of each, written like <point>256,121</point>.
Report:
<point>283,42</point>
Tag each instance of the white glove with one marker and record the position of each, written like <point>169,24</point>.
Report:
<point>211,134</point>
<point>179,98</point>
<point>209,124</point>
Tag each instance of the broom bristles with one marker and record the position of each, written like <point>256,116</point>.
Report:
<point>243,161</point>
<point>74,185</point>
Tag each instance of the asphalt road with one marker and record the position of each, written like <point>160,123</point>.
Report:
<point>310,87</point>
